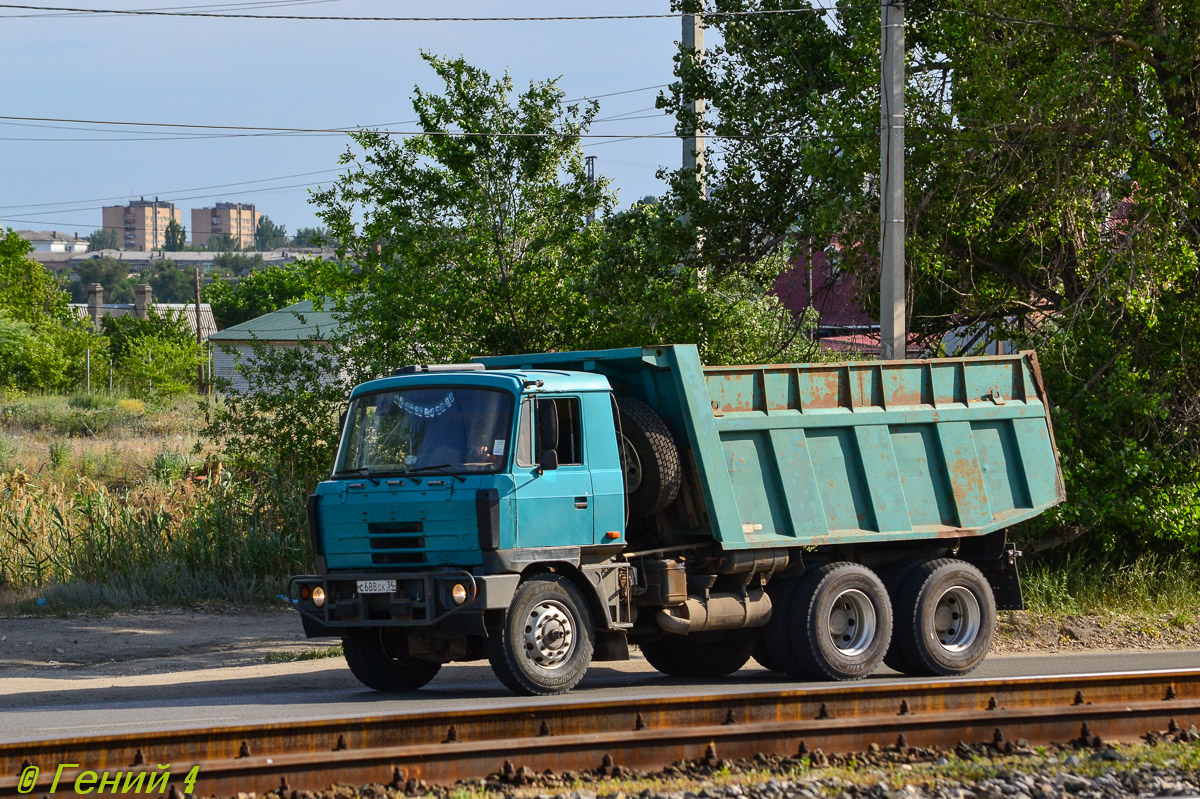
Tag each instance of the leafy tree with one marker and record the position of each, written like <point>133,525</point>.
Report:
<point>176,237</point>
<point>259,292</point>
<point>268,235</point>
<point>170,282</point>
<point>28,293</point>
<point>110,273</point>
<point>476,241</point>
<point>222,242</point>
<point>124,331</point>
<point>43,343</point>
<point>103,239</point>
<point>236,263</point>
<point>314,237</point>
<point>1051,159</point>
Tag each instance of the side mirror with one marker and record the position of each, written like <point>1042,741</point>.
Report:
<point>549,461</point>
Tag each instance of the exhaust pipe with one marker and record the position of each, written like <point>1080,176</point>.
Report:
<point>718,612</point>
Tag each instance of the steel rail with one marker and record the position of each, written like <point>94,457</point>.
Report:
<point>577,734</point>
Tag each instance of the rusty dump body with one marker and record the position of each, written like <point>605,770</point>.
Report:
<point>821,454</point>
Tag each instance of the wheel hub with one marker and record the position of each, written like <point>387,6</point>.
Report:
<point>549,635</point>
<point>632,464</point>
<point>852,622</point>
<point>956,619</point>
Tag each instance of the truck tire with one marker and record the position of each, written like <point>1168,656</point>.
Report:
<point>713,656</point>
<point>762,656</point>
<point>840,622</point>
<point>379,658</point>
<point>774,645</point>
<point>543,645</point>
<point>946,619</point>
<point>897,657</point>
<point>649,459</point>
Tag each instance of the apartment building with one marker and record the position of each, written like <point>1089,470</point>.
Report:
<point>239,220</point>
<point>141,225</point>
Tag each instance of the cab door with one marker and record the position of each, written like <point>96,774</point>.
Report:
<point>554,506</point>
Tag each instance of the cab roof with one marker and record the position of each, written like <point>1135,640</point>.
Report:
<point>513,380</point>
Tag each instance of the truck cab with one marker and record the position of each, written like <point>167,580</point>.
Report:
<point>449,483</point>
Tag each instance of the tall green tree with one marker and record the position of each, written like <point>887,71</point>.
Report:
<point>103,239</point>
<point>28,293</point>
<point>111,273</point>
<point>43,343</point>
<point>314,237</point>
<point>455,245</point>
<point>170,282</point>
<point>222,242</point>
<point>268,235</point>
<point>1052,162</point>
<point>259,292</point>
<point>176,237</point>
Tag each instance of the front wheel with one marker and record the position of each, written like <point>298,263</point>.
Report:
<point>544,643</point>
<point>379,658</point>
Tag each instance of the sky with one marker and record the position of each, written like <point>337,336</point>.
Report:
<point>295,74</point>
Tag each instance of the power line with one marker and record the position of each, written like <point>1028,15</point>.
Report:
<point>463,133</point>
<point>168,194</point>
<point>293,17</point>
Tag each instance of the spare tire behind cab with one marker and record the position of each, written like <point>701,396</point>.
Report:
<point>649,458</point>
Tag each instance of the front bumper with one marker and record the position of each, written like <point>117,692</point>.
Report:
<point>421,599</point>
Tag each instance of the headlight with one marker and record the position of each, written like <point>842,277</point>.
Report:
<point>318,596</point>
<point>458,593</point>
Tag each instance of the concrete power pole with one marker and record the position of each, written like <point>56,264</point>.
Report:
<point>590,163</point>
<point>694,145</point>
<point>893,331</point>
<point>199,331</point>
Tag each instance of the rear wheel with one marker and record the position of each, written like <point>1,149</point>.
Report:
<point>840,620</point>
<point>946,618</point>
<point>544,643</point>
<point>379,658</point>
<point>706,655</point>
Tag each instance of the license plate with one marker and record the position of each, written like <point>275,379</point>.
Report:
<point>376,586</point>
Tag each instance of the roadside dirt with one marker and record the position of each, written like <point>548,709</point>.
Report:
<point>170,641</point>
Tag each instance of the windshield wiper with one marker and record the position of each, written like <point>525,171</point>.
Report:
<point>357,473</point>
<point>440,468</point>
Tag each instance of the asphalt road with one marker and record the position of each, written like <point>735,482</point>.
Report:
<point>67,706</point>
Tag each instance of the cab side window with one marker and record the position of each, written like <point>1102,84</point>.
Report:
<point>525,455</point>
<point>559,428</point>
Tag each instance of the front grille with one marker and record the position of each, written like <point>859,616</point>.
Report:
<point>397,536</point>
<point>386,528</point>
<point>397,558</point>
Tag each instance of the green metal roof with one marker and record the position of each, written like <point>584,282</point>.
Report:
<point>293,323</point>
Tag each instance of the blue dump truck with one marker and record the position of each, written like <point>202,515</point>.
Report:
<point>546,511</point>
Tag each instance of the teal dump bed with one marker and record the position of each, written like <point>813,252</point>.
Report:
<point>833,453</point>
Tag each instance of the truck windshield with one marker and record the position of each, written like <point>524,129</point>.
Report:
<point>457,429</point>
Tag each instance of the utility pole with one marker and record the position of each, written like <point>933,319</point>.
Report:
<point>199,328</point>
<point>590,162</point>
<point>893,331</point>
<point>694,145</point>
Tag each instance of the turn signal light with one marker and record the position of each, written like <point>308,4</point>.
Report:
<point>613,534</point>
<point>305,592</point>
<point>318,596</point>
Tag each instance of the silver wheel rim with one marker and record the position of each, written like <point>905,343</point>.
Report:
<point>632,464</point>
<point>549,634</point>
<point>852,622</point>
<point>956,619</point>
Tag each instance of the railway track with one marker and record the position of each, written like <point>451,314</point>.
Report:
<point>577,734</point>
